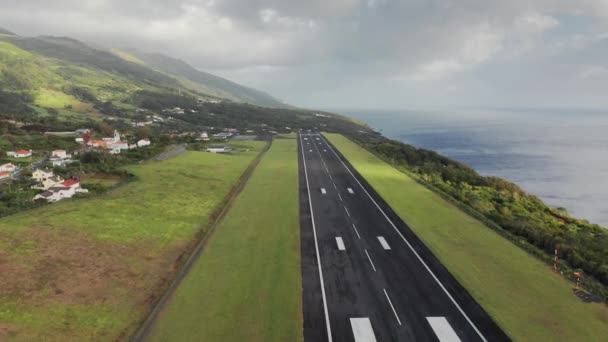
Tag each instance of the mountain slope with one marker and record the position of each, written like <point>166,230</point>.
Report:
<point>145,69</point>
<point>205,82</point>
<point>5,31</point>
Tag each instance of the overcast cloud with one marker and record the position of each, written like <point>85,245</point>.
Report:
<point>359,53</point>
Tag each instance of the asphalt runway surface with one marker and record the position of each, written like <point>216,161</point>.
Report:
<point>366,276</point>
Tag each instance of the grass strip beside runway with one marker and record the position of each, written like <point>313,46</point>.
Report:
<point>522,295</point>
<point>246,286</point>
<point>87,269</point>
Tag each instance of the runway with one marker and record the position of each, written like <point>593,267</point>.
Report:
<point>366,276</point>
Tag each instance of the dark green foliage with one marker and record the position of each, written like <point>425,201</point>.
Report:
<point>81,93</point>
<point>15,105</point>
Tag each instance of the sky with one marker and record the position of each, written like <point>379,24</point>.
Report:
<point>382,54</point>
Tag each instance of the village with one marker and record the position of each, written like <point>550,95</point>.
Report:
<point>36,169</point>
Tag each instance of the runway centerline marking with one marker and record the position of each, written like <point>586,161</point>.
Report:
<point>350,191</point>
<point>384,243</point>
<point>347,213</point>
<point>411,247</point>
<point>362,329</point>
<point>370,260</point>
<point>335,187</point>
<point>314,231</point>
<point>443,329</point>
<point>340,196</point>
<point>323,191</point>
<point>340,243</point>
<point>356,231</point>
<point>392,307</point>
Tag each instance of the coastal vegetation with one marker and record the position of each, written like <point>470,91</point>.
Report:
<point>515,288</point>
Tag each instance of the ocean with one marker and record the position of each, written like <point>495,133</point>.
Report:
<point>560,156</point>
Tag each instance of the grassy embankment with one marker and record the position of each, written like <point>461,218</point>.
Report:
<point>526,299</point>
<point>247,284</point>
<point>88,269</point>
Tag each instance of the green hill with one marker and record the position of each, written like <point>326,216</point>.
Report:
<point>205,82</point>
<point>5,31</point>
<point>76,77</point>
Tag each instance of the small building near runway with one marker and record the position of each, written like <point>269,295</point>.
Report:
<point>218,149</point>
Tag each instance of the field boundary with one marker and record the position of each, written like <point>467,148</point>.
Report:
<point>201,240</point>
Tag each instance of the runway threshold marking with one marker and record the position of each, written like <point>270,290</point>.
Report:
<point>392,307</point>
<point>323,191</point>
<point>410,247</point>
<point>314,231</point>
<point>347,213</point>
<point>370,260</point>
<point>340,243</point>
<point>350,191</point>
<point>356,231</point>
<point>384,243</point>
<point>443,329</point>
<point>362,329</point>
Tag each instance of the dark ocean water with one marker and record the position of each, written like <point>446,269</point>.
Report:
<point>560,156</point>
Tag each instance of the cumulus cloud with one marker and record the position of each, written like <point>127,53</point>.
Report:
<point>320,47</point>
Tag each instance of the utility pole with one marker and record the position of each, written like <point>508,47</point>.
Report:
<point>555,260</point>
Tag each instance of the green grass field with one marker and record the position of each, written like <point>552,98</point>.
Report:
<point>49,98</point>
<point>246,286</point>
<point>88,269</point>
<point>522,294</point>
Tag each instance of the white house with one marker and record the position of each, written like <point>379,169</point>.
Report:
<point>40,175</point>
<point>79,140</point>
<point>60,154</point>
<point>49,182</point>
<point>218,149</point>
<point>8,167</point>
<point>19,154</point>
<point>143,142</point>
<point>56,193</point>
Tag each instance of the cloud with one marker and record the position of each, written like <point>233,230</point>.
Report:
<point>334,45</point>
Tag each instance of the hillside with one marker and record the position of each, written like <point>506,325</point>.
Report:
<point>205,82</point>
<point>5,31</point>
<point>69,59</point>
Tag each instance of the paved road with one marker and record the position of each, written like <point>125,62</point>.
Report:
<point>366,276</point>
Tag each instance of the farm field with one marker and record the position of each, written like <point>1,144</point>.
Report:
<point>89,269</point>
<point>524,296</point>
<point>246,285</point>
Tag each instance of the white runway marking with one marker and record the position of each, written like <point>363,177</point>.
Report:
<point>347,213</point>
<point>411,248</point>
<point>335,187</point>
<point>310,150</point>
<point>392,307</point>
<point>362,329</point>
<point>443,329</point>
<point>370,260</point>
<point>324,150</point>
<point>340,244</point>
<point>356,231</point>
<point>384,243</point>
<point>323,191</point>
<point>340,196</point>
<point>350,191</point>
<point>314,231</point>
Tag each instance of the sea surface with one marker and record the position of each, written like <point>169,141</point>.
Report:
<point>560,156</point>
